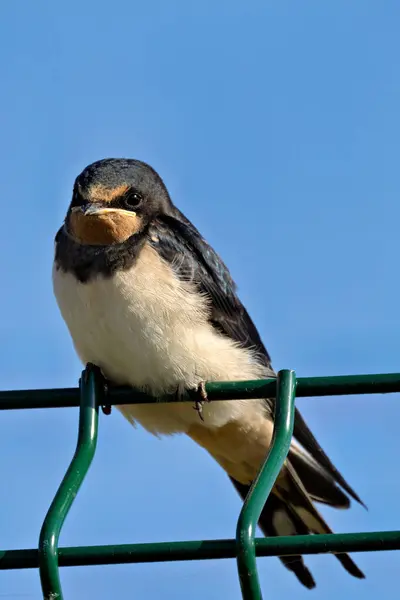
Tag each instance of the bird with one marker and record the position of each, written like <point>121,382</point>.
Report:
<point>149,302</point>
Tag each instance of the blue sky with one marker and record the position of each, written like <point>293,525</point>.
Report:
<point>276,129</point>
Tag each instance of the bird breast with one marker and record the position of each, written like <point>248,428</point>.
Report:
<point>146,328</point>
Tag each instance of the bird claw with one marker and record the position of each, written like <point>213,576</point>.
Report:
<point>90,367</point>
<point>106,408</point>
<point>199,401</point>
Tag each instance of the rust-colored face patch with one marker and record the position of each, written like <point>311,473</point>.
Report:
<point>108,226</point>
<point>99,193</point>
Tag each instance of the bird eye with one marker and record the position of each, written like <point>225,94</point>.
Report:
<point>132,199</point>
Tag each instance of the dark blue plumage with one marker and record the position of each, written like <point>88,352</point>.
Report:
<point>193,259</point>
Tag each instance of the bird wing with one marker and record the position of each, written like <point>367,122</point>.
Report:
<point>309,473</point>
<point>193,259</point>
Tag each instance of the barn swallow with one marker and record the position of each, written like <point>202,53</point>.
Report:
<point>148,301</point>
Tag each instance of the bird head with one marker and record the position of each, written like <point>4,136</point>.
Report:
<point>114,199</point>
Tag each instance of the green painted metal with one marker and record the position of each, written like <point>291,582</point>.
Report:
<point>263,484</point>
<point>91,390</point>
<point>116,554</point>
<point>231,390</point>
<point>245,548</point>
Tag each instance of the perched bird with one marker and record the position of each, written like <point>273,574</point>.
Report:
<point>148,301</point>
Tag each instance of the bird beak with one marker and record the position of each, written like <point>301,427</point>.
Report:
<point>91,210</point>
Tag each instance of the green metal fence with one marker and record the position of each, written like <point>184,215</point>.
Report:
<point>93,393</point>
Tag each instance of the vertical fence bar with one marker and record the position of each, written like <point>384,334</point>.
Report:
<point>263,484</point>
<point>92,394</point>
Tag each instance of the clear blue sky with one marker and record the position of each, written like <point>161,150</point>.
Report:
<point>276,128</point>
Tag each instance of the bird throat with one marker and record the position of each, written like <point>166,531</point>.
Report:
<point>87,261</point>
<point>103,229</point>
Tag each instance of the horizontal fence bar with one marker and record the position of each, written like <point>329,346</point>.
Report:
<point>232,390</point>
<point>76,556</point>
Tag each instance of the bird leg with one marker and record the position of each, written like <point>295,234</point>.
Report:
<point>200,399</point>
<point>106,409</point>
<point>198,393</point>
<point>91,367</point>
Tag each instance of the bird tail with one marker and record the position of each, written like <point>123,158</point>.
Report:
<point>289,510</point>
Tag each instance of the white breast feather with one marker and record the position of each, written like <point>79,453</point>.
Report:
<point>144,327</point>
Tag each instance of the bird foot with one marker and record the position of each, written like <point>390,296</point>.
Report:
<point>106,408</point>
<point>201,398</point>
<point>92,367</point>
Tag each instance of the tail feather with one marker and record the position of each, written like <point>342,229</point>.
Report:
<point>307,439</point>
<point>276,519</point>
<point>320,485</point>
<point>289,510</point>
<point>295,494</point>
